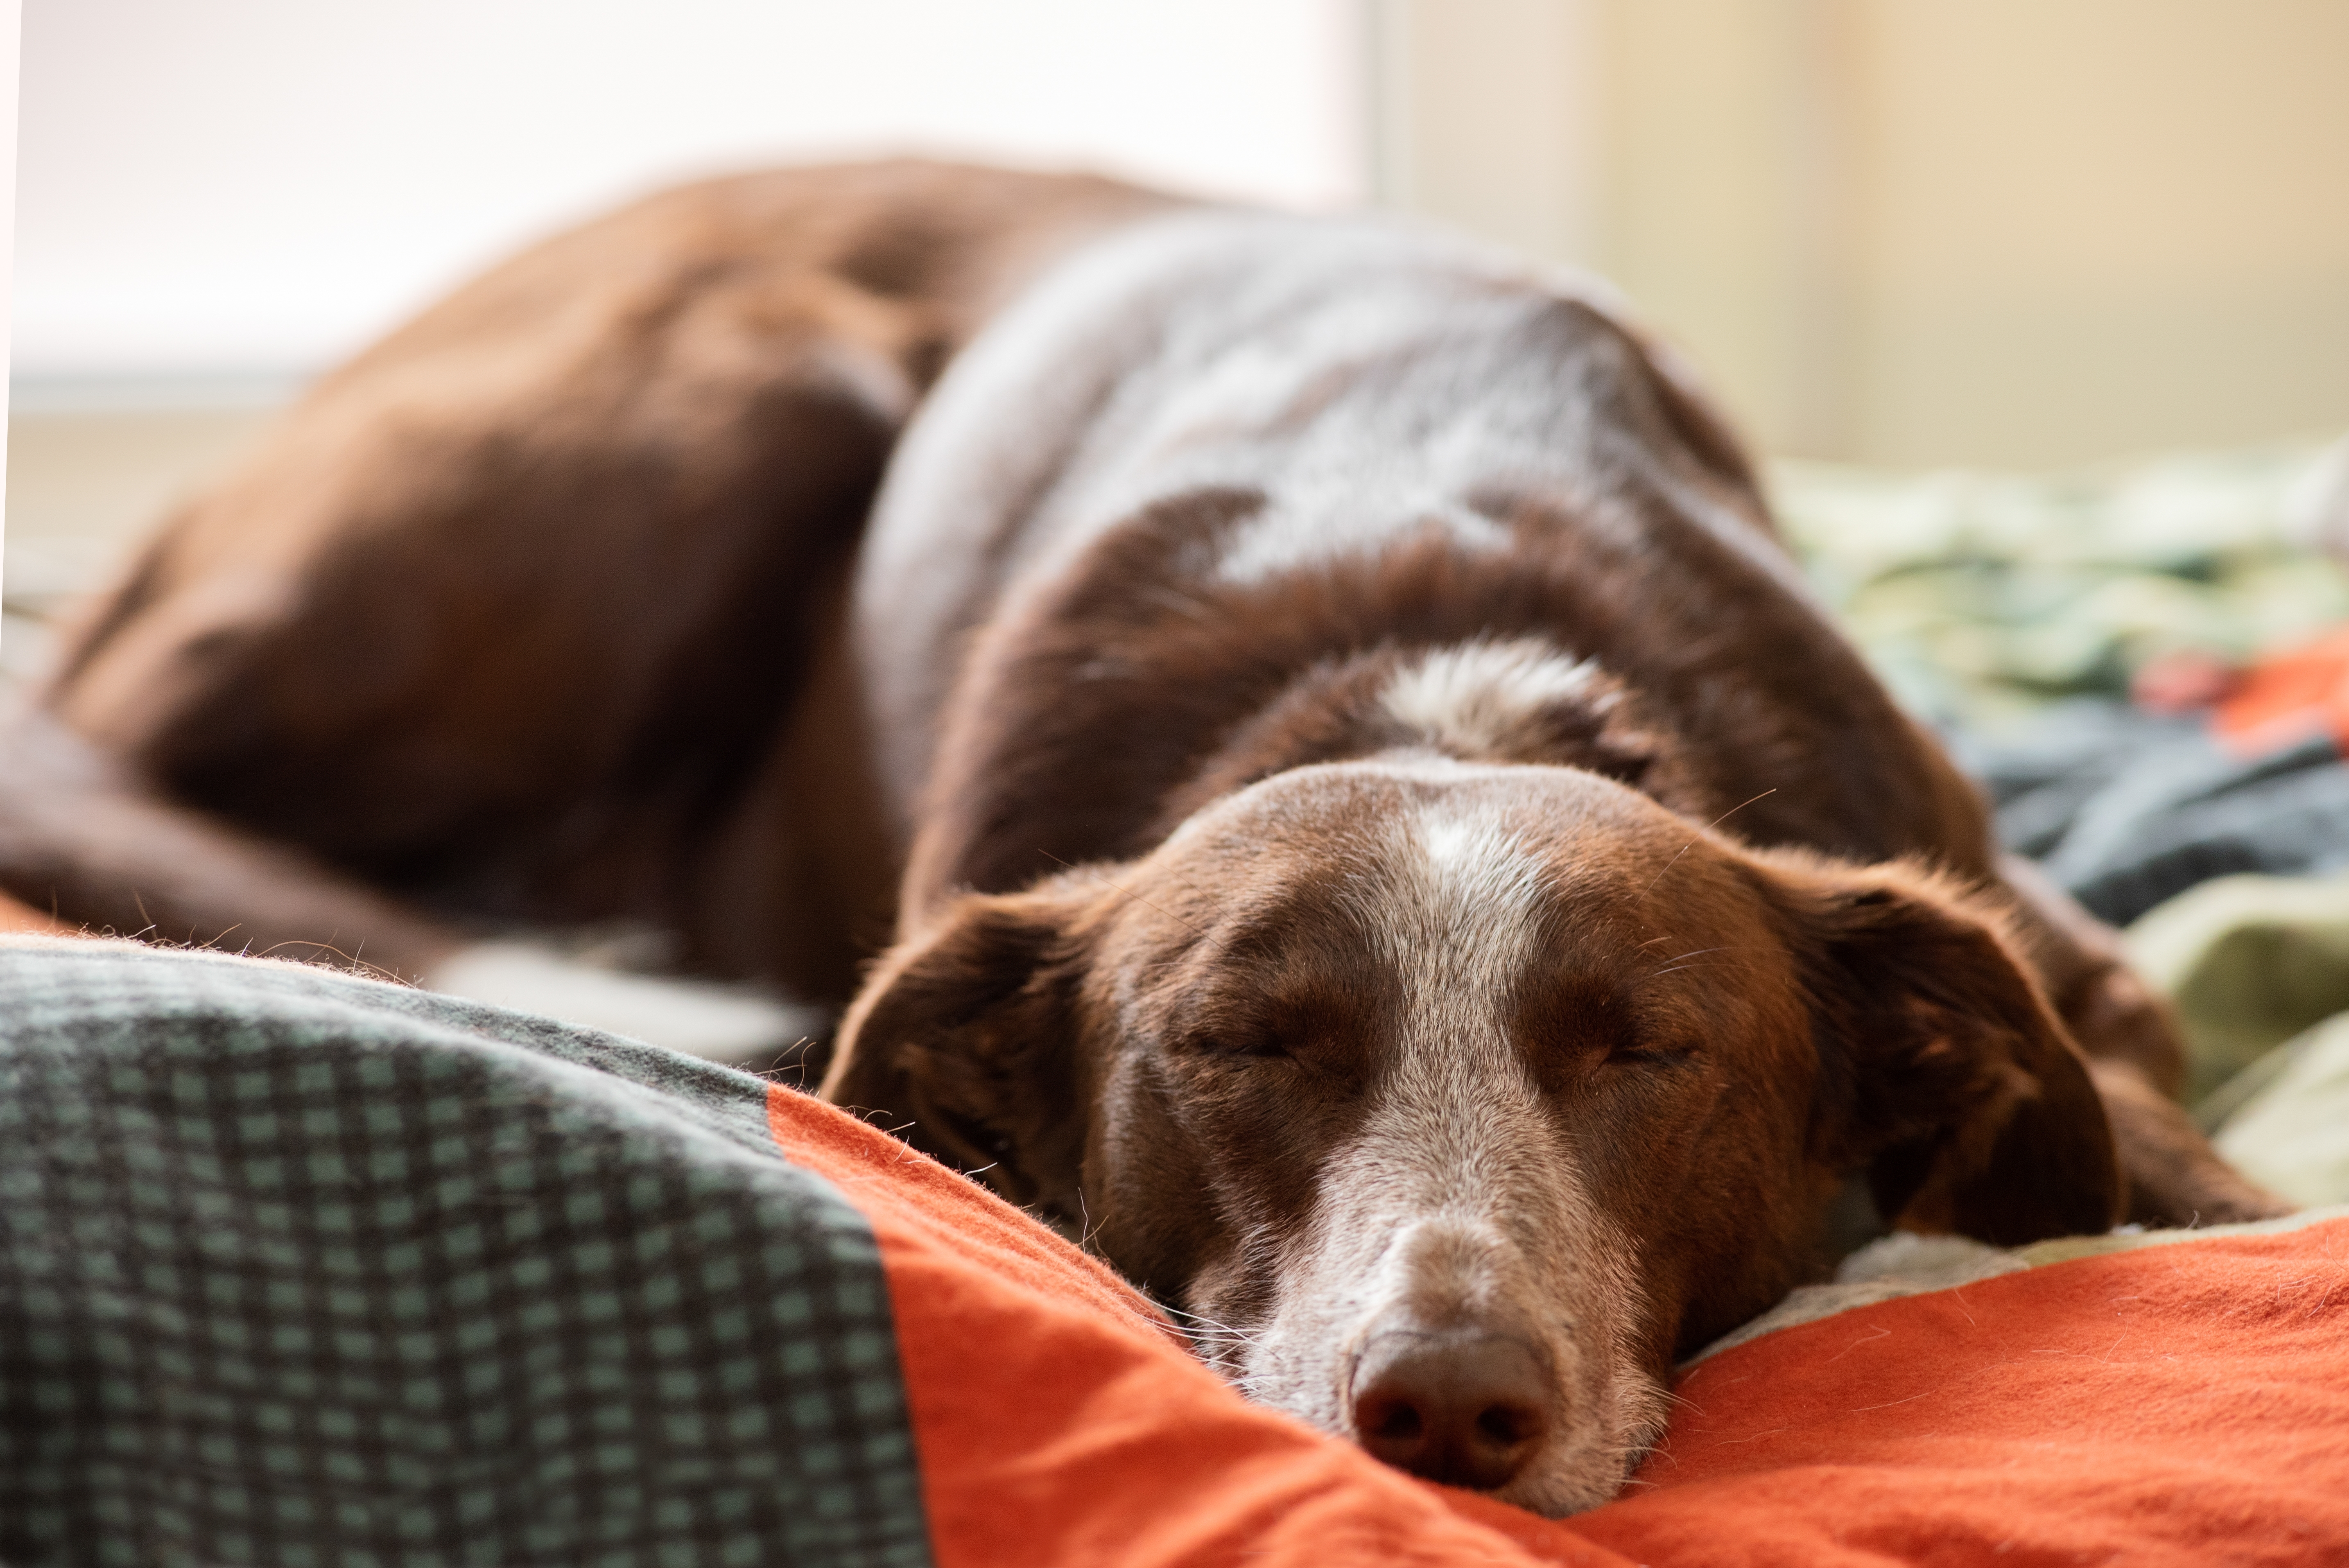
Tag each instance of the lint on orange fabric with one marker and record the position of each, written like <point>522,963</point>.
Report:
<point>2180,1403</point>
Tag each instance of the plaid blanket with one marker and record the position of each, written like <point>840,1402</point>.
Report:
<point>296,1268</point>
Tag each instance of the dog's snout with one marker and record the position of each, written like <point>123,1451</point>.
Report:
<point>1469,1409</point>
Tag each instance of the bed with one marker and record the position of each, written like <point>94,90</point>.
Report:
<point>300,1268</point>
<point>297,1267</point>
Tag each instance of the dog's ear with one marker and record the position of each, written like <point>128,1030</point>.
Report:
<point>1943,1072</point>
<point>967,1032</point>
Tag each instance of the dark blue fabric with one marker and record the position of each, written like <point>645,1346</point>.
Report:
<point>2127,810</point>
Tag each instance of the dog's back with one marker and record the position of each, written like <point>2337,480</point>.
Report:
<point>507,613</point>
<point>540,611</point>
<point>1222,449</point>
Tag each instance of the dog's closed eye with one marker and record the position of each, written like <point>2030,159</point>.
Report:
<point>1327,1051</point>
<point>1242,1044</point>
<point>1583,1028</point>
<point>1641,1049</point>
<point>1589,1060</point>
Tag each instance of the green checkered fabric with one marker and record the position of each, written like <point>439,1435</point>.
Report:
<point>300,1269</point>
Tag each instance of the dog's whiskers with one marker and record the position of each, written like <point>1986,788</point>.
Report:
<point>1674,966</point>
<point>1129,893</point>
<point>1086,1229</point>
<point>1224,1348</point>
<point>1220,1336</point>
<point>1708,827</point>
<point>1215,1333</point>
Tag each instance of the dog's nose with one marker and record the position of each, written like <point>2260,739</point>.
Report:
<point>1468,1410</point>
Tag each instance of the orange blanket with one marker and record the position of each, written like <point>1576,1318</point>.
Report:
<point>2183,1404</point>
<point>16,916</point>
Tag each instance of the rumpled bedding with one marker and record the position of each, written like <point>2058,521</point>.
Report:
<point>301,1268</point>
<point>1979,598</point>
<point>2258,969</point>
<point>2014,614</point>
<point>298,1268</point>
<point>2017,614</point>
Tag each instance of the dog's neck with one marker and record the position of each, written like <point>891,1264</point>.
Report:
<point>1523,700</point>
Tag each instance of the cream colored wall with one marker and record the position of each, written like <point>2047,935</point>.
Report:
<point>1724,204</point>
<point>2093,225</point>
<point>2007,232</point>
<point>1481,113</point>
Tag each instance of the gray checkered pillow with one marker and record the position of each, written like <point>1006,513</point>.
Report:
<point>299,1269</point>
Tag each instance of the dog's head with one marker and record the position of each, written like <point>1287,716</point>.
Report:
<point>1452,1102</point>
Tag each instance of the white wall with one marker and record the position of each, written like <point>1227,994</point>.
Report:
<point>11,31</point>
<point>257,186</point>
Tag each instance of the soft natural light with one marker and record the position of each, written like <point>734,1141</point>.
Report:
<point>260,185</point>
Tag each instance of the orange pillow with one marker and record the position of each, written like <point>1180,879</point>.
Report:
<point>1057,1418</point>
<point>2175,1404</point>
<point>22,917</point>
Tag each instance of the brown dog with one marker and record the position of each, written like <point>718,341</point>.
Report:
<point>1392,856</point>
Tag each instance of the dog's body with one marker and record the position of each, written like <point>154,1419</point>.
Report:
<point>1383,845</point>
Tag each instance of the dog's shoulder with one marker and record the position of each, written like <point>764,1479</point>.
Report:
<point>1202,471</point>
<point>1223,400</point>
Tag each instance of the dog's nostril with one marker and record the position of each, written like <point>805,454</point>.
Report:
<point>1507,1423</point>
<point>1470,1409</point>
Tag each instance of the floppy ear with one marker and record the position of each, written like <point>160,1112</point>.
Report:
<point>1943,1072</point>
<point>969,1031</point>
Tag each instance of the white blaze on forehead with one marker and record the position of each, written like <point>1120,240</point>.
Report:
<point>1476,695</point>
<point>1459,921</point>
<point>1473,888</point>
<point>1457,1207</point>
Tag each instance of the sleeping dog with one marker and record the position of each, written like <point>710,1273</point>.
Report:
<point>1361,820</point>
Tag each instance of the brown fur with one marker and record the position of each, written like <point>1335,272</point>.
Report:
<point>1379,843</point>
<point>509,613</point>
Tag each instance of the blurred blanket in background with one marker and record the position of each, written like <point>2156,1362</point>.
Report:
<point>1981,598</point>
<point>2148,668</point>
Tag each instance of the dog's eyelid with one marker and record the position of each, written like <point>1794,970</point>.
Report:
<point>1229,1041</point>
<point>1659,1049</point>
<point>1261,1046</point>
